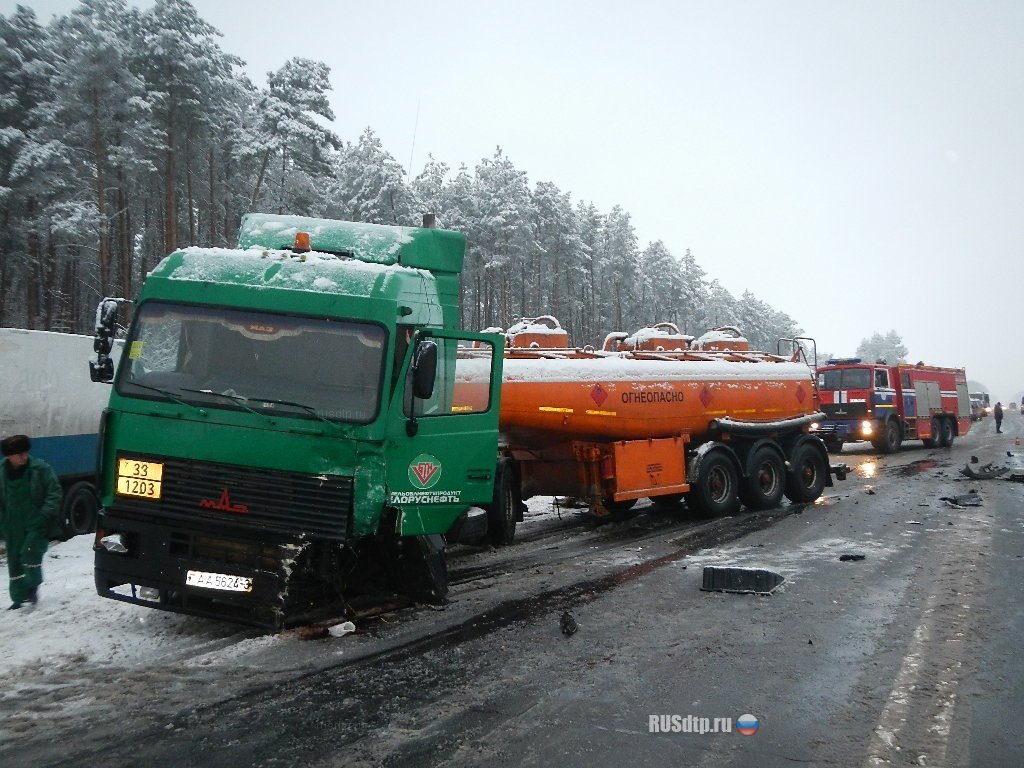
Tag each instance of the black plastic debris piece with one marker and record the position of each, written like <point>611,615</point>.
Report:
<point>871,491</point>
<point>568,624</point>
<point>971,499</point>
<point>987,472</point>
<point>974,459</point>
<point>1016,477</point>
<point>849,558</point>
<point>756,581</point>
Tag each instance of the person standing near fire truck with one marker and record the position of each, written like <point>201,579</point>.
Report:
<point>998,413</point>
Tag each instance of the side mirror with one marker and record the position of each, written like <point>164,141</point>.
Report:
<point>102,368</point>
<point>424,369</point>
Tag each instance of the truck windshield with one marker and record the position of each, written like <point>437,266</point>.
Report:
<point>845,378</point>
<point>277,365</point>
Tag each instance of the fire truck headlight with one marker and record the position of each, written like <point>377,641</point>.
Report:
<point>814,426</point>
<point>865,427</point>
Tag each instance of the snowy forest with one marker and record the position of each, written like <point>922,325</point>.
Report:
<point>127,133</point>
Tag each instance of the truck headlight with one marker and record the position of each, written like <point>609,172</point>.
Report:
<point>115,543</point>
<point>866,427</point>
<point>814,426</point>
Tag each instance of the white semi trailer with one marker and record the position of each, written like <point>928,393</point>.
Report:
<point>46,393</point>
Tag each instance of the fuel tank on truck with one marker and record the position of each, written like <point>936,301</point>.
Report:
<point>645,390</point>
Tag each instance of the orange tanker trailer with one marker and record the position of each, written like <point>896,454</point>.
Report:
<point>655,414</point>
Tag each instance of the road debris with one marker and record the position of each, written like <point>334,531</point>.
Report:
<point>756,581</point>
<point>340,630</point>
<point>971,499</point>
<point>849,558</point>
<point>987,472</point>
<point>568,624</point>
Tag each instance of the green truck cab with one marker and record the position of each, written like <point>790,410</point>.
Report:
<point>287,425</point>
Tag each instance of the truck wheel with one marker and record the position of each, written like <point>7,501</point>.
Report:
<point>890,439</point>
<point>806,478</point>
<point>946,434</point>
<point>934,440</point>
<point>668,501</point>
<point>78,512</point>
<point>715,491</point>
<point>501,515</point>
<point>765,482</point>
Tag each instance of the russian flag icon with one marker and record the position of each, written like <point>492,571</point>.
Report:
<point>747,725</point>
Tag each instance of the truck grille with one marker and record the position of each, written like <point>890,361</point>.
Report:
<point>317,506</point>
<point>841,411</point>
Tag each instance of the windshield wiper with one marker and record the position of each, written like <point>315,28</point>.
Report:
<point>234,398</point>
<point>307,408</point>
<point>165,393</point>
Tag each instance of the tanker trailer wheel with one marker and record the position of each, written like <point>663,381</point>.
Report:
<point>78,512</point>
<point>890,439</point>
<point>946,434</point>
<point>619,511</point>
<point>715,491</point>
<point>501,515</point>
<point>807,475</point>
<point>935,440</point>
<point>765,482</point>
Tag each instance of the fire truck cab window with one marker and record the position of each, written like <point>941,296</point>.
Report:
<point>845,378</point>
<point>881,378</point>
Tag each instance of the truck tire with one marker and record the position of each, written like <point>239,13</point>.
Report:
<point>934,440</point>
<point>765,482</point>
<point>715,490</point>
<point>668,501</point>
<point>79,510</point>
<point>501,515</point>
<point>947,433</point>
<point>890,439</point>
<point>807,475</point>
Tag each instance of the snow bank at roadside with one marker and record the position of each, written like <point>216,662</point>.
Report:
<point>73,625</point>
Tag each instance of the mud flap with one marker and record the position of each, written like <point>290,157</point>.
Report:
<point>421,569</point>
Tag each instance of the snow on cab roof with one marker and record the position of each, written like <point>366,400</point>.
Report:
<point>369,242</point>
<point>311,271</point>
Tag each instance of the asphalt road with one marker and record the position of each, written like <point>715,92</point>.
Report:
<point>906,657</point>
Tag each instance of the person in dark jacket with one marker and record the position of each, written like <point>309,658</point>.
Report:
<point>30,497</point>
<point>998,413</point>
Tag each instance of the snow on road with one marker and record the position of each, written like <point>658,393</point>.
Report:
<point>73,625</point>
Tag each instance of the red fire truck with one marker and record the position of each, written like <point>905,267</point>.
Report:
<point>888,404</point>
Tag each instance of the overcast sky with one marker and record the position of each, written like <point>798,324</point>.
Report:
<point>859,164</point>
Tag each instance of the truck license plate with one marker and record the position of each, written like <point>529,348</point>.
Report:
<point>222,581</point>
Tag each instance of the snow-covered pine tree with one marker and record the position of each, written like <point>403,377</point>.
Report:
<point>371,185</point>
<point>294,152</point>
<point>557,261</point>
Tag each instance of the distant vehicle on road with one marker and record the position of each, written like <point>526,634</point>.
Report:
<point>983,400</point>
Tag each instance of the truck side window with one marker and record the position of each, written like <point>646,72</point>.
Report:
<point>881,378</point>
<point>905,379</point>
<point>462,383</point>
